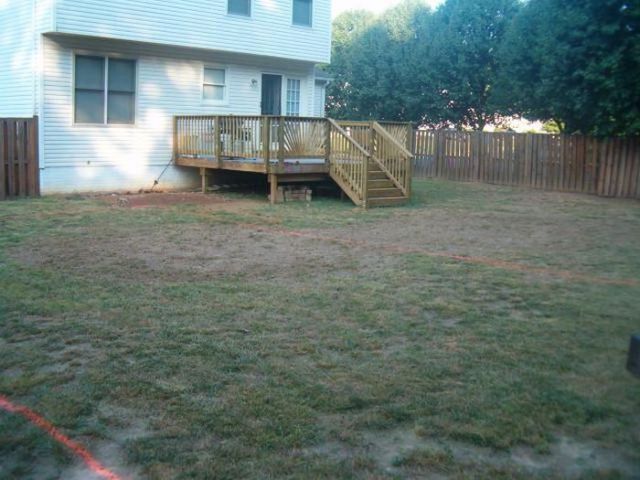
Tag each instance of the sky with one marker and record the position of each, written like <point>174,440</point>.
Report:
<point>376,6</point>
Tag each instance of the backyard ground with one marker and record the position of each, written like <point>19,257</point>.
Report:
<point>480,332</point>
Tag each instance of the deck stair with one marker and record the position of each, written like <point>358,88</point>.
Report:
<point>387,181</point>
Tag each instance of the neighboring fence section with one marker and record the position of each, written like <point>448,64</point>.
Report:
<point>568,163</point>
<point>19,169</point>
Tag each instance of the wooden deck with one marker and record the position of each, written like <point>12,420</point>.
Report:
<point>369,162</point>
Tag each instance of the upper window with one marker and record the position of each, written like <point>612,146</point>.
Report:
<point>215,85</point>
<point>302,12</point>
<point>240,7</point>
<point>105,90</point>
<point>293,97</point>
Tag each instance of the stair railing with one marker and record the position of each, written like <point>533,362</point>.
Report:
<point>393,158</point>
<point>349,163</point>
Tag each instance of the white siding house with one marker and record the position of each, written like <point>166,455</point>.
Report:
<point>107,77</point>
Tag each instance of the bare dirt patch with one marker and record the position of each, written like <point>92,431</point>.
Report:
<point>393,451</point>
<point>196,252</point>
<point>160,200</point>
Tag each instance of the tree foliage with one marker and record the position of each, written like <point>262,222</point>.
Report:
<point>415,64</point>
<point>576,62</point>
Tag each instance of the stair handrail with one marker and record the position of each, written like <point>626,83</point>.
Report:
<point>380,130</point>
<point>344,133</point>
<point>351,178</point>
<point>404,184</point>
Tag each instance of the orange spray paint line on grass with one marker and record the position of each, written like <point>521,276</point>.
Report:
<point>43,424</point>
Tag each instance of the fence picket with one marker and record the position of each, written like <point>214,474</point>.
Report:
<point>19,170</point>
<point>3,159</point>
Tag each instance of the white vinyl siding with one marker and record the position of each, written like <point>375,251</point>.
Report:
<point>17,54</point>
<point>293,97</point>
<point>203,24</point>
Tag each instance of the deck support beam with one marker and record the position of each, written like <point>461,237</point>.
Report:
<point>273,183</point>
<point>204,175</point>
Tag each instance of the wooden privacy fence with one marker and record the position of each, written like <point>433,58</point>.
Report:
<point>19,169</point>
<point>567,163</point>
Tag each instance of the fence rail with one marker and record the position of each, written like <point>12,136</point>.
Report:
<point>19,168</point>
<point>567,163</point>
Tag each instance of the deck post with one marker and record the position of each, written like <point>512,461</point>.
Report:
<point>266,143</point>
<point>281,144</point>
<point>327,143</point>
<point>218,140</point>
<point>273,181</point>
<point>204,177</point>
<point>411,146</point>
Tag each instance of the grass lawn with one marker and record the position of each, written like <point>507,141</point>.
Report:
<point>480,332</point>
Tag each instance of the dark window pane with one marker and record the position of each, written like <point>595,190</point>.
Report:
<point>89,106</point>
<point>121,108</point>
<point>90,73</point>
<point>302,12</point>
<point>240,7</point>
<point>122,75</point>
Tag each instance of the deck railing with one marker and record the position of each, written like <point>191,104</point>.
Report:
<point>261,139</point>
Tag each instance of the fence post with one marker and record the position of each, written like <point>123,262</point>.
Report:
<point>3,156</point>
<point>477,145</point>
<point>439,152</point>
<point>11,157</point>
<point>34,151</point>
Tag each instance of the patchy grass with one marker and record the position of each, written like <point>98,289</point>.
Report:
<point>210,341</point>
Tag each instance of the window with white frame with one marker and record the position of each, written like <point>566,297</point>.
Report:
<point>215,85</point>
<point>293,97</point>
<point>303,12</point>
<point>239,7</point>
<point>105,90</point>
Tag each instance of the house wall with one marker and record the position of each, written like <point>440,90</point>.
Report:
<point>17,77</point>
<point>203,24</point>
<point>123,157</point>
<point>319,98</point>
<point>21,22</point>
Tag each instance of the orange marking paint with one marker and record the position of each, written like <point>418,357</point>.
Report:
<point>94,465</point>
<point>490,262</point>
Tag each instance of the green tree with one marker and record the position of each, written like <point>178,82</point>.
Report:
<point>372,62</point>
<point>413,64</point>
<point>348,28</point>
<point>464,40</point>
<point>576,62</point>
